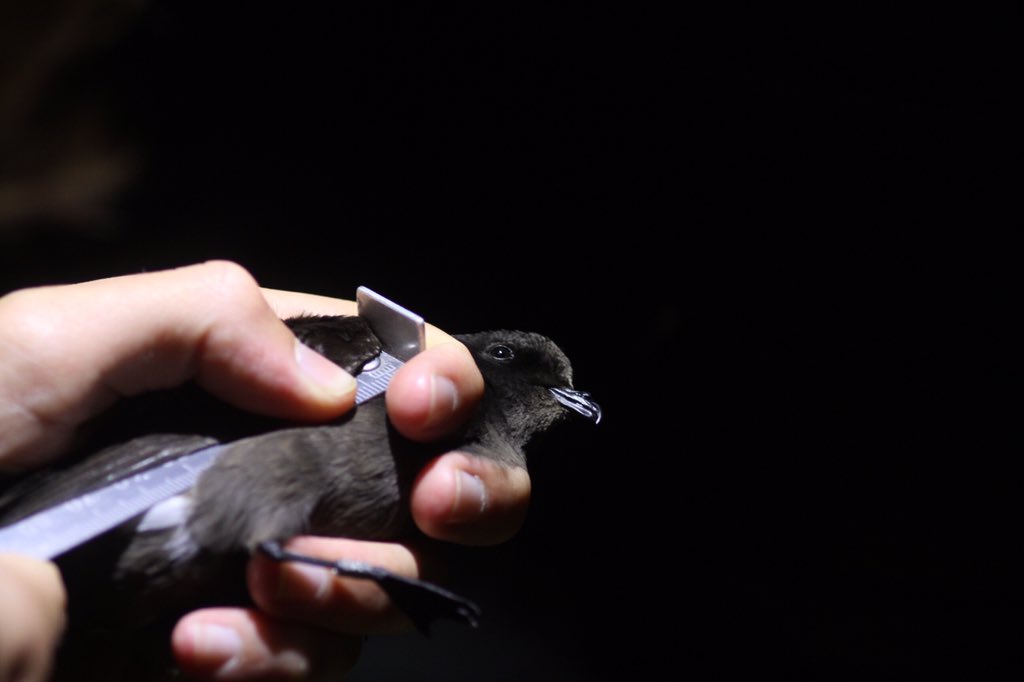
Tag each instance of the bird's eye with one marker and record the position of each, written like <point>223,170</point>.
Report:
<point>500,352</point>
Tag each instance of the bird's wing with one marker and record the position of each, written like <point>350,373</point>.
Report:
<point>200,420</point>
<point>117,462</point>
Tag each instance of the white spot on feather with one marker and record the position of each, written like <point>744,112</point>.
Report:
<point>168,514</point>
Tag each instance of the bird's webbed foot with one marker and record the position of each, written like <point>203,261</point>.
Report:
<point>421,601</point>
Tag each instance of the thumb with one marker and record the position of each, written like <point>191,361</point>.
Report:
<point>71,351</point>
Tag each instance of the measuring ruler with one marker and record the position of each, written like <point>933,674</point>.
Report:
<point>51,532</point>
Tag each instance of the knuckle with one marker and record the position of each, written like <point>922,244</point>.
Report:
<point>231,287</point>
<point>228,277</point>
<point>25,321</point>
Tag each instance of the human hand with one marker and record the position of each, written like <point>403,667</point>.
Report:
<point>31,618</point>
<point>212,324</point>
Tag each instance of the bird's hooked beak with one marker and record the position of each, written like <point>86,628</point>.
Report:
<point>578,401</point>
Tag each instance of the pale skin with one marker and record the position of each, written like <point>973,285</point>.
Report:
<point>69,352</point>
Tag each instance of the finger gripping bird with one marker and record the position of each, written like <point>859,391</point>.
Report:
<point>348,478</point>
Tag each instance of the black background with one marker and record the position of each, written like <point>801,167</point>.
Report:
<point>770,242</point>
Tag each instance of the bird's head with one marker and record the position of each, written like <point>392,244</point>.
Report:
<point>530,376</point>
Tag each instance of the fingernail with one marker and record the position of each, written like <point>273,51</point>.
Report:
<point>302,582</point>
<point>470,497</point>
<point>323,373</point>
<point>444,399</point>
<point>215,645</point>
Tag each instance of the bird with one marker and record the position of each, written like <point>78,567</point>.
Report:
<point>348,478</point>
